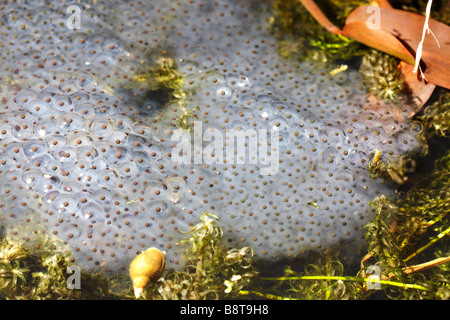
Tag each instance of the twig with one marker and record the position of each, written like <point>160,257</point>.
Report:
<point>426,29</point>
<point>426,265</point>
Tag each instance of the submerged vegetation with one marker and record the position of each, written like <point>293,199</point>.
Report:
<point>408,252</point>
<point>436,117</point>
<point>301,37</point>
<point>46,273</point>
<point>211,272</point>
<point>382,74</point>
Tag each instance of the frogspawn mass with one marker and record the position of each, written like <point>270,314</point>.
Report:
<point>87,156</point>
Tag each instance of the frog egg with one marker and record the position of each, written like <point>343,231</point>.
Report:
<point>104,59</point>
<point>155,191</point>
<point>36,107</point>
<point>191,82</point>
<point>136,142</point>
<point>113,45</point>
<point>61,103</point>
<point>71,186</point>
<point>127,169</point>
<point>405,139</point>
<point>65,154</point>
<point>48,183</point>
<point>117,155</point>
<point>117,138</point>
<point>49,198</point>
<point>102,196</point>
<point>223,92</point>
<point>187,66</point>
<point>157,208</point>
<point>23,130</point>
<point>68,170</point>
<point>87,153</point>
<point>122,123</point>
<point>101,128</point>
<point>31,177</point>
<point>6,190</point>
<point>69,122</point>
<point>24,95</point>
<point>92,212</point>
<point>79,139</point>
<point>5,132</point>
<point>34,148</point>
<point>103,149</point>
<point>84,80</point>
<point>66,203</point>
<point>141,159</point>
<point>108,178</point>
<point>54,167</point>
<point>45,127</point>
<point>156,152</point>
<point>104,111</point>
<point>85,109</point>
<point>175,188</point>
<point>6,162</point>
<point>55,141</point>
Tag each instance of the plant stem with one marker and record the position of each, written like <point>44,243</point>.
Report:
<point>264,295</point>
<point>349,278</point>
<point>439,237</point>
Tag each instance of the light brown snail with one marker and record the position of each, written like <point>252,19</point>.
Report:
<point>146,266</point>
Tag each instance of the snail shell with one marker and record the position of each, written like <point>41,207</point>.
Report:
<point>149,264</point>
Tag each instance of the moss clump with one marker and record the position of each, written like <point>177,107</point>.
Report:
<point>394,168</point>
<point>436,117</point>
<point>301,37</point>
<point>162,74</point>
<point>44,274</point>
<point>382,75</point>
<point>211,271</point>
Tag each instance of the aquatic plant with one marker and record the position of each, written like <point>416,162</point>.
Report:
<point>211,270</point>
<point>408,250</point>
<point>382,74</point>
<point>301,37</point>
<point>44,272</point>
<point>436,117</point>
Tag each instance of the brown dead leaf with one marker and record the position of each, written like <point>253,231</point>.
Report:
<point>379,39</point>
<point>399,35</point>
<point>419,91</point>
<point>407,28</point>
